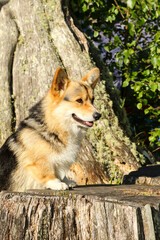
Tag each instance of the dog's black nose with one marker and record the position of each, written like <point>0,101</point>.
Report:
<point>96,115</point>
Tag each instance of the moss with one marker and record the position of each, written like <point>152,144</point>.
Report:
<point>107,135</point>
<point>73,196</point>
<point>43,20</point>
<point>51,6</point>
<point>65,194</point>
<point>21,40</point>
<point>24,65</point>
<point>117,176</point>
<point>62,193</point>
<point>146,193</point>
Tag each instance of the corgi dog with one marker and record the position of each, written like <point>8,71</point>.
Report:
<point>45,145</point>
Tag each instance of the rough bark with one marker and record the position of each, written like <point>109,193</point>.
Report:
<point>93,212</point>
<point>148,175</point>
<point>35,38</point>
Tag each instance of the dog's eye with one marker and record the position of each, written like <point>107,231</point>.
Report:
<point>79,100</point>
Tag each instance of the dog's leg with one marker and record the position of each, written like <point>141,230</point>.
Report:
<point>47,177</point>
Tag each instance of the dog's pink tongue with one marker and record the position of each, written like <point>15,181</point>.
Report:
<point>90,124</point>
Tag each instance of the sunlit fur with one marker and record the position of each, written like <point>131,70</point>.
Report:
<point>40,152</point>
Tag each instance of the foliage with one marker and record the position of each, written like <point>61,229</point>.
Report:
<point>128,36</point>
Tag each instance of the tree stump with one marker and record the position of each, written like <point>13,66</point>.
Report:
<point>104,212</point>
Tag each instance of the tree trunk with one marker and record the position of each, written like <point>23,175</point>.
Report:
<point>36,37</point>
<point>95,213</point>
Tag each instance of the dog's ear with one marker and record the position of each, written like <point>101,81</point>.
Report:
<point>60,82</point>
<point>92,77</point>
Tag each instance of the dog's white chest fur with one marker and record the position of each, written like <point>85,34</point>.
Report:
<point>61,162</point>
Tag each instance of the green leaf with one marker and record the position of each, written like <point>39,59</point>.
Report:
<point>126,53</point>
<point>133,43</point>
<point>106,48</point>
<point>131,29</point>
<point>154,61</point>
<point>139,105</point>
<point>116,11</point>
<point>152,138</point>
<point>131,51</point>
<point>126,61</point>
<point>141,21</point>
<point>131,3</point>
<point>139,47</point>
<point>140,95</point>
<point>84,8</point>
<point>145,101</point>
<point>146,72</point>
<point>154,87</point>
<point>157,13</point>
<point>96,33</point>
<point>116,38</point>
<point>126,56</point>
<point>135,74</point>
<point>144,7</point>
<point>110,18</point>
<point>137,88</point>
<point>125,83</point>
<point>146,111</point>
<point>157,36</point>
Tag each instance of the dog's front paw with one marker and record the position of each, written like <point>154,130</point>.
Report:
<point>56,185</point>
<point>69,182</point>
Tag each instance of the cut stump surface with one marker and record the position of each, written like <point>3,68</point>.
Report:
<point>126,212</point>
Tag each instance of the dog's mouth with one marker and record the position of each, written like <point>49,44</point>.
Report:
<point>85,123</point>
